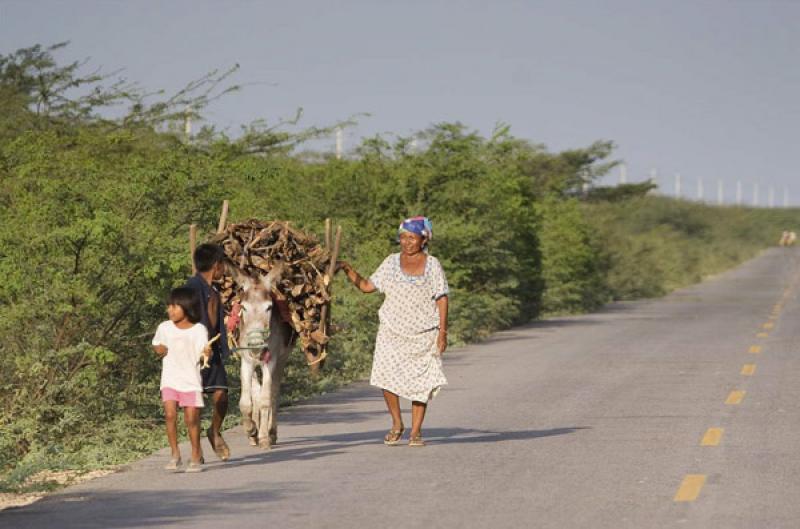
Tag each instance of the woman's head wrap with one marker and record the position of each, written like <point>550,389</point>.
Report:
<point>418,225</point>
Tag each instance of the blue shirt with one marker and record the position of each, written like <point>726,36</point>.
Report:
<point>204,290</point>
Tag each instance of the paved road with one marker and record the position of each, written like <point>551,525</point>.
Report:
<point>586,422</point>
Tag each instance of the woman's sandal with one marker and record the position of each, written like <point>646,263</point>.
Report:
<point>393,437</point>
<point>416,440</point>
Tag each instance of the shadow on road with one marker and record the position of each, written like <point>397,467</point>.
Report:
<point>121,509</point>
<point>312,448</point>
<point>463,435</point>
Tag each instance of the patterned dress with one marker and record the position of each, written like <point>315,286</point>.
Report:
<point>407,360</point>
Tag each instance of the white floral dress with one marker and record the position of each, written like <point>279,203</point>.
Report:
<point>407,360</point>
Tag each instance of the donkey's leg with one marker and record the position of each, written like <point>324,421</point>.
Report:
<point>255,398</point>
<point>277,378</point>
<point>246,398</point>
<point>273,416</point>
<point>265,404</point>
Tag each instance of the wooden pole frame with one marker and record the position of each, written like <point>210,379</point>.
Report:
<point>326,309</point>
<point>223,217</point>
<point>192,245</point>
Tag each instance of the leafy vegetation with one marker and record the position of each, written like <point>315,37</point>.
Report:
<point>94,216</point>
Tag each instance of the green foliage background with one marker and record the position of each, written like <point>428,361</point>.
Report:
<point>94,216</point>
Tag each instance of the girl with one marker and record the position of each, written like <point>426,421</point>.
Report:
<point>182,342</point>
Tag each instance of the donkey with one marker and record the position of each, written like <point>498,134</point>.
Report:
<point>265,340</point>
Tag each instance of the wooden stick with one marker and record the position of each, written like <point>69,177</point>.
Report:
<point>192,245</point>
<point>223,217</point>
<point>328,233</point>
<point>335,254</point>
<point>326,309</point>
<point>206,363</point>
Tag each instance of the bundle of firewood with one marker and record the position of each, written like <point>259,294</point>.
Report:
<point>255,247</point>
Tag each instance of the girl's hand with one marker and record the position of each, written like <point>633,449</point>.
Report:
<point>161,350</point>
<point>205,359</point>
<point>441,341</point>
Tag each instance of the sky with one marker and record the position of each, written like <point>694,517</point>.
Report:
<point>709,89</point>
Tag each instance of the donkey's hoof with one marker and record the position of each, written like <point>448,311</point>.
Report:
<point>264,444</point>
<point>250,429</point>
<point>253,441</point>
<point>273,438</point>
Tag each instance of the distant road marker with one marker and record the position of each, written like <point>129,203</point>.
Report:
<point>762,335</point>
<point>712,437</point>
<point>755,349</point>
<point>768,325</point>
<point>690,487</point>
<point>749,370</point>
<point>735,397</point>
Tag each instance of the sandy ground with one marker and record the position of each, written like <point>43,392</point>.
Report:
<point>62,478</point>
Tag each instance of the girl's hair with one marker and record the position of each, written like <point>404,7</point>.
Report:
<point>187,299</point>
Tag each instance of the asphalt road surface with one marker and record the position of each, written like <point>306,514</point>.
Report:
<point>677,412</point>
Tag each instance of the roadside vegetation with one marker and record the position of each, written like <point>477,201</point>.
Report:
<point>94,216</point>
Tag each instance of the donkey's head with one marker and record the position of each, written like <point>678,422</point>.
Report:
<point>256,307</point>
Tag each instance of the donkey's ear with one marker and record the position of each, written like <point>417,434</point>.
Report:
<point>240,277</point>
<point>274,276</point>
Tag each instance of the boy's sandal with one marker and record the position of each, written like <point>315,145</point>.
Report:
<point>226,452</point>
<point>174,464</point>
<point>416,440</point>
<point>393,437</point>
<point>221,449</point>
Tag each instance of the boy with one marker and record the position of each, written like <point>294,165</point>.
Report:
<point>209,262</point>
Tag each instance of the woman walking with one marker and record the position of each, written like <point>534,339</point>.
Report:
<point>412,334</point>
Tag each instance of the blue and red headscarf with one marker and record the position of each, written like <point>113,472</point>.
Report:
<point>418,225</point>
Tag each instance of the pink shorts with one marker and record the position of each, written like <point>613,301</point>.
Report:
<point>185,399</point>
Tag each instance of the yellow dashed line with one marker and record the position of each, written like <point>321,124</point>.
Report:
<point>712,437</point>
<point>762,335</point>
<point>690,487</point>
<point>735,397</point>
<point>768,325</point>
<point>749,370</point>
<point>755,349</point>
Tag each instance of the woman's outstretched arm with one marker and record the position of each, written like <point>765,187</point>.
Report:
<point>362,283</point>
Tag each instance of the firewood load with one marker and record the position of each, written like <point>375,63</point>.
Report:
<point>255,247</point>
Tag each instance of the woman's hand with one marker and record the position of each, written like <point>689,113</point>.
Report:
<point>161,350</point>
<point>441,341</point>
<point>442,304</point>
